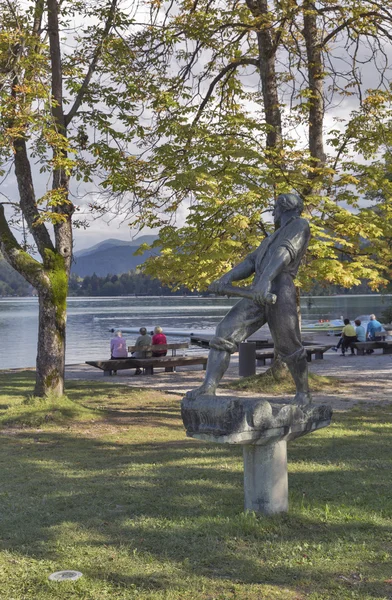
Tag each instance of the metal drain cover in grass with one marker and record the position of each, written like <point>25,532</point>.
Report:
<point>65,576</point>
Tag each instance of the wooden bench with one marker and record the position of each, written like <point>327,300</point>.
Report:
<point>110,365</point>
<point>169,362</point>
<point>158,348</point>
<point>149,362</point>
<point>361,347</point>
<point>268,353</point>
<point>317,350</point>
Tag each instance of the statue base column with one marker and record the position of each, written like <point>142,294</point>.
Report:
<point>266,487</point>
<point>263,431</point>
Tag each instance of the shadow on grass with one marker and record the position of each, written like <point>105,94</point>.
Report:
<point>21,382</point>
<point>181,501</point>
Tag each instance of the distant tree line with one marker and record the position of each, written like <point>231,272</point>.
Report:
<point>320,289</point>
<point>11,283</point>
<point>126,284</point>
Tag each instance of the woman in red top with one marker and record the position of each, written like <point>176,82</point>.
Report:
<point>157,339</point>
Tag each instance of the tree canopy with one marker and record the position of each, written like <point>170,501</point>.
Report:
<point>240,102</point>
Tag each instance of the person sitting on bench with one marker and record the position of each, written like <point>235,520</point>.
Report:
<point>157,339</point>
<point>118,347</point>
<point>374,329</point>
<point>373,332</point>
<point>142,341</point>
<point>360,331</point>
<point>349,337</point>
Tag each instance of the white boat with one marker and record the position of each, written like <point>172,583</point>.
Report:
<point>335,326</point>
<point>324,325</point>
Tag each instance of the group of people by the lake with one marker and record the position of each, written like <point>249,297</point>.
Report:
<point>119,349</point>
<point>351,334</point>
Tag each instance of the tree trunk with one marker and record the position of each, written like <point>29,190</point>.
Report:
<point>316,77</point>
<point>272,110</point>
<point>52,295</point>
<point>51,344</point>
<point>267,70</point>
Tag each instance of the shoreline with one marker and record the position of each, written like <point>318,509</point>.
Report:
<point>206,297</point>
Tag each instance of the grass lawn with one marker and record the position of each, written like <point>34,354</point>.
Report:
<point>106,483</point>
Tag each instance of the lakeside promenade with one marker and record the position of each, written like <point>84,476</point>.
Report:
<point>366,379</point>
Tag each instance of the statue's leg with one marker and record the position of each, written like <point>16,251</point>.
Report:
<point>240,322</point>
<point>298,366</point>
<point>284,325</point>
<point>218,362</point>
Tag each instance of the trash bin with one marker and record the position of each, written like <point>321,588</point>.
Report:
<point>247,359</point>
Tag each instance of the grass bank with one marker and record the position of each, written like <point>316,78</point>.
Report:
<point>265,383</point>
<point>116,491</point>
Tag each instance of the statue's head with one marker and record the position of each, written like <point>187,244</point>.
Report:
<point>285,203</point>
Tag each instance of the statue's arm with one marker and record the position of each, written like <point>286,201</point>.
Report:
<point>278,262</point>
<point>244,269</point>
<point>280,259</point>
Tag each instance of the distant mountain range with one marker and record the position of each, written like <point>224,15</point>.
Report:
<point>111,257</point>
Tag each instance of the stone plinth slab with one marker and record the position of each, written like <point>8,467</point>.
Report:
<point>232,420</point>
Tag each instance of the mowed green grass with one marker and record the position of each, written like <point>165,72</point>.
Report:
<point>107,483</point>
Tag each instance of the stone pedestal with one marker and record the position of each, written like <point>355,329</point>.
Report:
<point>264,431</point>
<point>265,478</point>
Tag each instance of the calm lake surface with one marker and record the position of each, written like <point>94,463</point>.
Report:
<point>90,319</point>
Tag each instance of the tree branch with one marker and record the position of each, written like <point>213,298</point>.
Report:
<point>93,65</point>
<point>38,12</point>
<point>62,230</point>
<point>346,23</point>
<point>20,260</point>
<point>28,203</point>
<point>230,67</point>
<point>25,183</point>
<point>56,67</point>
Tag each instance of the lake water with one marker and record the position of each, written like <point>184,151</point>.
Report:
<point>90,319</point>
